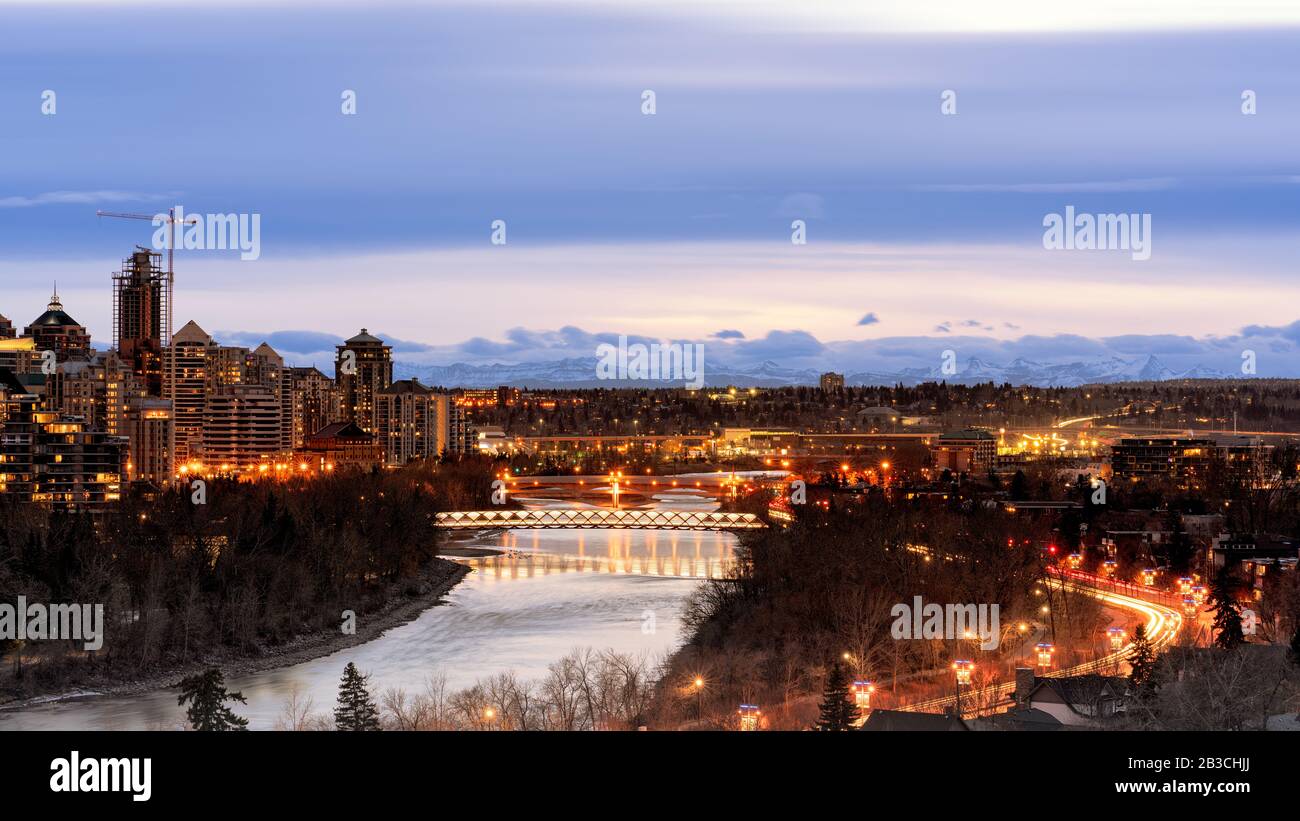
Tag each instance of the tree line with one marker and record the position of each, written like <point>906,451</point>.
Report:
<point>254,566</point>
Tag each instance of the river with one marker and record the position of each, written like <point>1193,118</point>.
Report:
<point>548,592</point>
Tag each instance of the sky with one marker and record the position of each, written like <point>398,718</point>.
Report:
<point>924,230</point>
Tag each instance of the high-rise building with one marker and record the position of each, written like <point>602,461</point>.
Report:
<point>412,421</point>
<point>55,458</point>
<point>148,429</point>
<point>140,319</point>
<point>98,389</point>
<point>362,368</point>
<point>55,331</point>
<point>6,328</point>
<point>461,437</point>
<point>266,368</point>
<point>227,365</point>
<point>310,402</point>
<point>19,355</point>
<point>241,428</point>
<point>832,381</point>
<point>188,359</point>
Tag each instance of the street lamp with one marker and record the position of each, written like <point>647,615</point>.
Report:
<point>862,691</point>
<point>1117,637</point>
<point>963,668</point>
<point>698,684</point>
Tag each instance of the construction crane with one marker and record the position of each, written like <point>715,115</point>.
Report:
<point>170,392</point>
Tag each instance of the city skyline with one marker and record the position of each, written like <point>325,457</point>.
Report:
<point>784,355</point>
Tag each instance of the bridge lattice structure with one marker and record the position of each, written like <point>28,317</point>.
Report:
<point>598,518</point>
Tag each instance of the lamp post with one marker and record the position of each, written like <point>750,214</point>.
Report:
<point>699,698</point>
<point>963,669</point>
<point>862,691</point>
<point>1117,637</point>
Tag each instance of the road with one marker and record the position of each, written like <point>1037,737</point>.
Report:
<point>1164,621</point>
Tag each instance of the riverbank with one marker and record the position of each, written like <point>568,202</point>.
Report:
<point>430,587</point>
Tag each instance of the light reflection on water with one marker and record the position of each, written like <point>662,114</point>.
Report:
<point>551,591</point>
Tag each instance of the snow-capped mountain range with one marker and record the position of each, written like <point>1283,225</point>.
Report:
<point>580,372</point>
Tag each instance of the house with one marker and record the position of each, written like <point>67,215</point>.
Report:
<point>1074,701</point>
<point>342,445</point>
<point>1232,549</point>
<point>903,721</point>
<point>1020,719</point>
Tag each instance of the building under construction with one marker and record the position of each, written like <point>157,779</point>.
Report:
<point>140,316</point>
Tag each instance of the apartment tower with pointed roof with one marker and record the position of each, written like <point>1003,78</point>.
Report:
<point>362,368</point>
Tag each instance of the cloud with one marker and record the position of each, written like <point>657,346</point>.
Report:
<point>869,319</point>
<point>943,328</point>
<point>305,343</point>
<point>1290,332</point>
<point>1278,348</point>
<point>729,333</point>
<point>780,345</point>
<point>79,198</point>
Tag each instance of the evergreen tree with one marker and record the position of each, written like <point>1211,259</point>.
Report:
<point>838,712</point>
<point>356,710</point>
<point>1019,487</point>
<point>1227,612</point>
<point>1178,549</point>
<point>206,693</point>
<point>1142,660</point>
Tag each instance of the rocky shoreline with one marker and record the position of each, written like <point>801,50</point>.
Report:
<point>435,582</point>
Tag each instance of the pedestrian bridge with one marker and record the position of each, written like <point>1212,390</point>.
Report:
<point>598,518</point>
